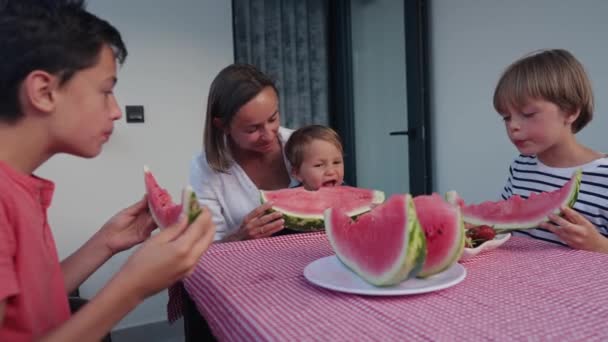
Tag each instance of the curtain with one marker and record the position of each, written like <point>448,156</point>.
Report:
<point>287,40</point>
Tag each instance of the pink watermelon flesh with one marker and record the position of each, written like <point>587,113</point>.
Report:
<point>299,200</point>
<point>367,237</point>
<point>163,210</point>
<point>520,213</point>
<point>444,231</point>
<point>373,246</point>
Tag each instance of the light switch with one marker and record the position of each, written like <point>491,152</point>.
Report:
<point>135,113</point>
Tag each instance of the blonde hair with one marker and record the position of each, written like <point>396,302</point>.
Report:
<point>551,75</point>
<point>231,89</point>
<point>298,141</point>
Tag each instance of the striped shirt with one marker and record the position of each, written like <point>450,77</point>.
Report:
<point>529,175</point>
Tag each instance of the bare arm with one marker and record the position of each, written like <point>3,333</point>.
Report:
<point>98,317</point>
<point>161,261</point>
<point>81,264</point>
<point>127,228</point>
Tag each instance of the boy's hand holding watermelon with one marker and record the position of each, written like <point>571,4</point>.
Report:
<point>575,230</point>
<point>128,227</point>
<point>167,257</point>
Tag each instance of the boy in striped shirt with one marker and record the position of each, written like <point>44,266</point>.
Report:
<point>544,99</point>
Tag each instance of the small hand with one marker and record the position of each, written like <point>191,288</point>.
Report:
<point>259,224</point>
<point>128,227</point>
<point>576,231</point>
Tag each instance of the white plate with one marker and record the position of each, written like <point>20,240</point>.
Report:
<point>331,274</point>
<point>498,240</point>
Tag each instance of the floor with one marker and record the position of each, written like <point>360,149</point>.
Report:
<point>154,332</point>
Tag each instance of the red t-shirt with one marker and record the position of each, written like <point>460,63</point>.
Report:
<point>31,281</point>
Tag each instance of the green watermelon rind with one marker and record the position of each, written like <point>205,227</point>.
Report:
<point>311,223</point>
<point>531,224</point>
<point>412,255</point>
<point>457,248</point>
<point>190,205</point>
<point>417,251</point>
<point>452,197</point>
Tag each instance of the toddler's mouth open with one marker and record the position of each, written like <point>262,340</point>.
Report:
<point>332,182</point>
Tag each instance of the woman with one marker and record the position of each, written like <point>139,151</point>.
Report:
<point>243,153</point>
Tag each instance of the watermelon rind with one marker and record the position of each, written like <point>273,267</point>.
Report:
<point>306,222</point>
<point>411,257</point>
<point>516,224</point>
<point>453,198</point>
<point>190,204</point>
<point>416,254</point>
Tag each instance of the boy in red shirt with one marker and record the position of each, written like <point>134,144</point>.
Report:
<point>57,72</point>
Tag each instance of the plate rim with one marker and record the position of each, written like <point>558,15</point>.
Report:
<point>382,291</point>
<point>468,252</point>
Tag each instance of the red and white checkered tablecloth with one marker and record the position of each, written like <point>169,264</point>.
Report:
<point>525,290</point>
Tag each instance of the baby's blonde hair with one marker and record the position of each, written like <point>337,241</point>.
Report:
<point>295,146</point>
<point>551,75</point>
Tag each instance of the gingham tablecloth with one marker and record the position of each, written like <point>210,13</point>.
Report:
<point>525,290</point>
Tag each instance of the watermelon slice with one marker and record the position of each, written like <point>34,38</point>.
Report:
<point>444,232</point>
<point>518,213</point>
<point>303,210</point>
<point>162,209</point>
<point>384,246</point>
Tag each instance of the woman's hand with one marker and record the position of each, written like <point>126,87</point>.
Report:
<point>168,256</point>
<point>576,231</point>
<point>260,224</point>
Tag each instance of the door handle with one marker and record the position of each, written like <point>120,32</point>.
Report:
<point>399,133</point>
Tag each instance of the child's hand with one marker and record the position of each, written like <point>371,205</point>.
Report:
<point>167,256</point>
<point>128,227</point>
<point>576,231</point>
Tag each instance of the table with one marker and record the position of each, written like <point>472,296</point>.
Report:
<point>525,290</point>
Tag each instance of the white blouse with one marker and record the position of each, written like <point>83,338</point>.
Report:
<point>229,196</point>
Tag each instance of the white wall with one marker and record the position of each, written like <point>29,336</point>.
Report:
<point>472,41</point>
<point>175,50</point>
